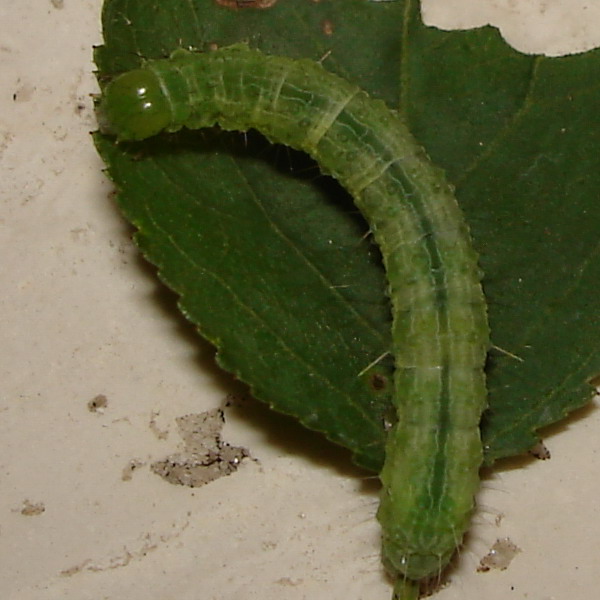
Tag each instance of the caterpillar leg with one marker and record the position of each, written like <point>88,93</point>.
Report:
<point>406,589</point>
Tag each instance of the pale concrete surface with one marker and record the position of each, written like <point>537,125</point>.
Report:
<point>81,315</point>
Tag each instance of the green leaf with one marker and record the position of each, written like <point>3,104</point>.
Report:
<point>270,258</point>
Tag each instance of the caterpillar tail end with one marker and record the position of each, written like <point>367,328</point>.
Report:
<point>406,589</point>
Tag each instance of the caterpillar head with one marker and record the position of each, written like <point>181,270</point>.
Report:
<point>133,106</point>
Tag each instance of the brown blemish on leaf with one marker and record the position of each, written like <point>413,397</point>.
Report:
<point>235,4</point>
<point>327,27</point>
<point>378,381</point>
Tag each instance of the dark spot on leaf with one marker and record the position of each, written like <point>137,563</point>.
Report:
<point>378,381</point>
<point>327,27</point>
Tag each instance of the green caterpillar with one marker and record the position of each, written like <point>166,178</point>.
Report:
<point>440,331</point>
